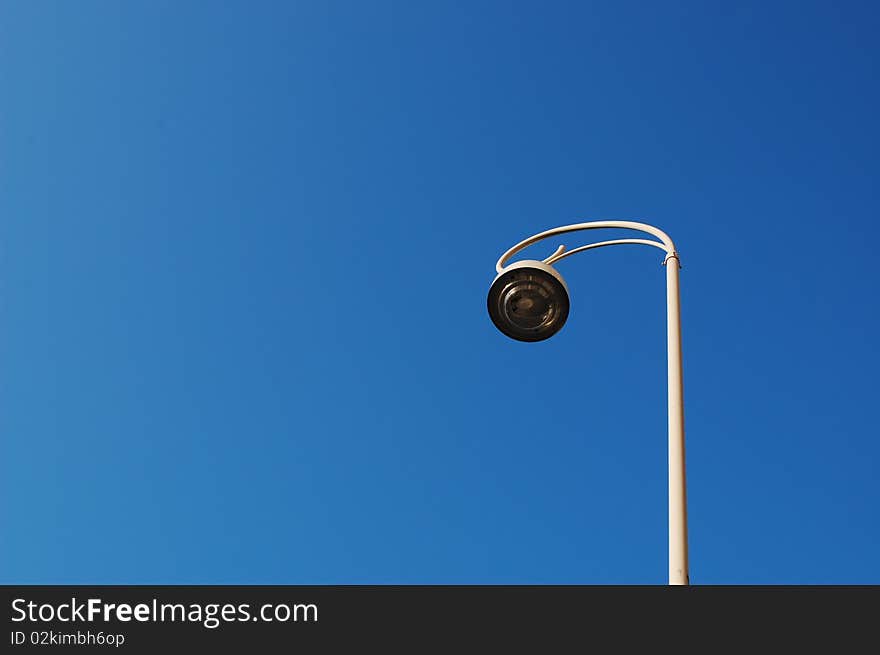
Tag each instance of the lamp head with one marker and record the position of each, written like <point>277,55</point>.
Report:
<point>528,301</point>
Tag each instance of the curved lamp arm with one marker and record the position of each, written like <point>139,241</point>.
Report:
<point>664,243</point>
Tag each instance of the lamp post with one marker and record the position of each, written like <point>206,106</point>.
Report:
<point>528,301</point>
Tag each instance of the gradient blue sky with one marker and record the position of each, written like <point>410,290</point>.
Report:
<point>245,252</point>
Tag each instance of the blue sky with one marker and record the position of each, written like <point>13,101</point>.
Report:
<point>245,252</point>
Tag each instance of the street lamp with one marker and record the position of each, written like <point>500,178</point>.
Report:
<point>528,301</point>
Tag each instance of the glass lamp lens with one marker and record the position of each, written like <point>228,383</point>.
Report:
<point>528,304</point>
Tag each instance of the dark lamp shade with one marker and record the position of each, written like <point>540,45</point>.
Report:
<point>528,301</point>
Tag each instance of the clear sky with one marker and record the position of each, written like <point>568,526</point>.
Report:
<point>245,254</point>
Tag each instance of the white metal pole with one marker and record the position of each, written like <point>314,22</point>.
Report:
<point>678,538</point>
